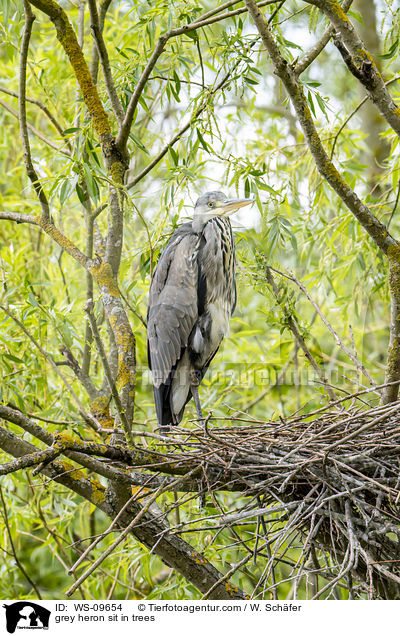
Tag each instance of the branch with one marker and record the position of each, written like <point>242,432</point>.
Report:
<point>67,37</point>
<point>102,354</point>
<point>184,128</point>
<point>226,5</point>
<point>331,330</point>
<point>83,378</point>
<point>338,464</point>
<point>392,374</point>
<point>18,217</point>
<point>50,360</point>
<point>31,172</point>
<point>190,484</point>
<point>87,350</point>
<point>127,530</point>
<point>361,63</point>
<point>59,471</point>
<point>14,552</point>
<point>113,306</point>
<point>94,61</point>
<point>371,224</point>
<point>319,46</point>
<point>97,32</point>
<point>40,104</point>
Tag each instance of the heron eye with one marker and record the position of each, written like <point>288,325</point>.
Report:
<point>211,204</point>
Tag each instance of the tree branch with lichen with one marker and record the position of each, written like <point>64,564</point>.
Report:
<point>172,549</point>
<point>327,169</point>
<point>311,55</point>
<point>360,61</point>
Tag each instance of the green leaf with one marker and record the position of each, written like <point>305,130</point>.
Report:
<point>174,155</point>
<point>310,101</point>
<point>138,143</point>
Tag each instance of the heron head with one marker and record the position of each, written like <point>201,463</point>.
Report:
<point>213,204</point>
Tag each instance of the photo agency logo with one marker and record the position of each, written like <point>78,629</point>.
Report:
<point>26,615</point>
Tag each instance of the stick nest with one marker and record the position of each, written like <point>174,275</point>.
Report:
<point>326,483</point>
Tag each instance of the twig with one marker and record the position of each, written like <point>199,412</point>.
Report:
<point>42,107</point>
<point>34,130</point>
<point>199,23</point>
<point>121,537</point>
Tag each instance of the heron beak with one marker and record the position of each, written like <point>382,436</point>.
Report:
<point>224,207</point>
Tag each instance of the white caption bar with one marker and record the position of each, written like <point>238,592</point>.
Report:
<point>103,618</point>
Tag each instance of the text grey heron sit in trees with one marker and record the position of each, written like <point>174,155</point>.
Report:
<point>192,297</point>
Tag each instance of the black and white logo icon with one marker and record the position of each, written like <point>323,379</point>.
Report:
<point>26,615</point>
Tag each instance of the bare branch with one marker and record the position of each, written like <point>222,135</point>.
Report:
<point>34,130</point>
<point>331,330</point>
<point>118,540</point>
<point>19,217</point>
<point>82,377</point>
<point>38,103</point>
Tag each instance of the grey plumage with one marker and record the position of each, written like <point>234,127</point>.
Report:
<point>192,297</point>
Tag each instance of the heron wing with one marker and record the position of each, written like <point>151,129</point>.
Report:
<point>173,308</point>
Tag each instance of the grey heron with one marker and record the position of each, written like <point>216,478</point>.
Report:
<point>192,297</point>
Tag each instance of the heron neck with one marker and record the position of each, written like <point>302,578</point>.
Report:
<point>200,221</point>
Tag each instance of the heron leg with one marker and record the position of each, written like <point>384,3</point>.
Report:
<point>195,378</point>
